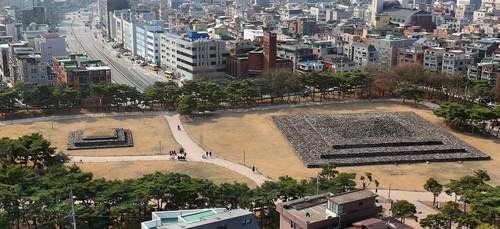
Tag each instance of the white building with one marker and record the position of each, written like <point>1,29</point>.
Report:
<point>193,55</point>
<point>319,13</point>
<point>251,34</point>
<point>27,66</point>
<point>456,61</point>
<point>50,45</point>
<point>148,40</point>
<point>202,218</point>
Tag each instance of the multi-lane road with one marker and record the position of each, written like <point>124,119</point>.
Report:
<point>87,40</point>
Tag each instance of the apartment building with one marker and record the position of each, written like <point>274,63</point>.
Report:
<point>7,52</point>
<point>148,40</point>
<point>410,54</point>
<point>50,45</point>
<point>27,66</point>
<point>456,61</point>
<point>193,55</point>
<point>77,71</point>
<point>296,52</point>
<point>361,53</point>
<point>338,63</point>
<point>388,46</point>
<point>488,70</point>
<point>465,12</point>
<point>481,49</point>
<point>433,58</point>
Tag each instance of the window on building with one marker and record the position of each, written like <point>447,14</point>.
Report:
<point>51,77</point>
<point>293,224</point>
<point>43,77</point>
<point>34,77</point>
<point>33,70</point>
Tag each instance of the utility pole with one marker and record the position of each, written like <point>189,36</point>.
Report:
<point>72,208</point>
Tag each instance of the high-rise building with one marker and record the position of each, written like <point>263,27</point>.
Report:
<point>377,7</point>
<point>193,55</point>
<point>34,14</point>
<point>107,6</point>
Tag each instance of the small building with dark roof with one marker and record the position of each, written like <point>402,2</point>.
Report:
<point>385,223</point>
<point>329,210</point>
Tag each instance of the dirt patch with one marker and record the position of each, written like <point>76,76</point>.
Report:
<point>253,137</point>
<point>136,169</point>
<point>148,131</point>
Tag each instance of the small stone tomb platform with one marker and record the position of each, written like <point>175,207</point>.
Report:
<point>100,138</point>
<point>371,138</point>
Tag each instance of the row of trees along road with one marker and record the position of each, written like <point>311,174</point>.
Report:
<point>35,183</point>
<point>408,81</point>
<point>468,190</point>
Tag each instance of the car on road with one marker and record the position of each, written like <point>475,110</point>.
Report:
<point>143,64</point>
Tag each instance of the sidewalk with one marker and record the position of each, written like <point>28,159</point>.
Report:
<point>195,153</point>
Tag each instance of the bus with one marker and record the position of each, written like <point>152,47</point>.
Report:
<point>153,67</point>
<point>169,75</point>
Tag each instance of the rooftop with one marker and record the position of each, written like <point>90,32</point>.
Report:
<point>347,197</point>
<point>50,35</point>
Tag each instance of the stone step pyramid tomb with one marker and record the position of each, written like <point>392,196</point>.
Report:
<point>371,138</point>
<point>100,138</point>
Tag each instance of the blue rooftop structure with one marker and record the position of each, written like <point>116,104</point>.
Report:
<point>196,34</point>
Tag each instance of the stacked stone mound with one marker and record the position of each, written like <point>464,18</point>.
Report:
<point>100,138</point>
<point>371,138</point>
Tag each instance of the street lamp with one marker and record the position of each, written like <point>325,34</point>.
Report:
<point>160,146</point>
<point>389,196</point>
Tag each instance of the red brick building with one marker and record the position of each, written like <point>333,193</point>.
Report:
<point>258,61</point>
<point>78,72</point>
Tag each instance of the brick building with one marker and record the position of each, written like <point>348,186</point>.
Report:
<point>258,61</point>
<point>78,72</point>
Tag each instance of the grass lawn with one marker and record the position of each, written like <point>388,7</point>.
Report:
<point>147,132</point>
<point>136,169</point>
<point>253,135</point>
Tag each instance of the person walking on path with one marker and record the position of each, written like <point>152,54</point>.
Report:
<point>253,169</point>
<point>178,127</point>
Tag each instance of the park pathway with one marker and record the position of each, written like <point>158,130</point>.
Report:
<point>195,152</point>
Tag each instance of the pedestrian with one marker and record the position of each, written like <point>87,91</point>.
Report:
<point>206,153</point>
<point>178,127</point>
<point>253,169</point>
<point>185,155</point>
<point>210,153</point>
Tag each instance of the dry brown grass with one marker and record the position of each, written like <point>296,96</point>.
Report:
<point>136,169</point>
<point>229,135</point>
<point>147,132</point>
